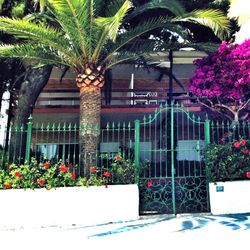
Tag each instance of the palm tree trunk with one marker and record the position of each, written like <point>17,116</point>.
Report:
<point>90,110</point>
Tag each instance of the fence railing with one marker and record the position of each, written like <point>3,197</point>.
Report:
<point>220,129</point>
<point>61,141</point>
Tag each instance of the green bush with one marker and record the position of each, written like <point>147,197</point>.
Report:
<point>228,161</point>
<point>45,175</point>
<point>48,175</point>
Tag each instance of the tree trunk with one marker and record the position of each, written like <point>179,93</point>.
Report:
<point>90,111</point>
<point>34,82</point>
<point>90,82</point>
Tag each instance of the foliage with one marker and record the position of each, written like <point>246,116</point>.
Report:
<point>121,167</point>
<point>122,170</point>
<point>95,31</point>
<point>51,175</point>
<point>222,81</point>
<point>228,160</point>
<point>44,175</point>
<point>92,36</point>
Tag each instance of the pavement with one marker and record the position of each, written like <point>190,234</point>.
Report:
<point>188,231</point>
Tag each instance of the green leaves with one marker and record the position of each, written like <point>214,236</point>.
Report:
<point>95,31</point>
<point>171,6</point>
<point>41,55</point>
<point>214,19</point>
<point>112,24</point>
<point>226,161</point>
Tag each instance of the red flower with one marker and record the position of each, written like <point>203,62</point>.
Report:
<point>46,164</point>
<point>237,144</point>
<point>118,158</point>
<point>106,174</point>
<point>7,186</point>
<point>41,182</point>
<point>243,142</point>
<point>93,169</point>
<point>73,176</point>
<point>106,186</point>
<point>70,164</point>
<point>63,168</point>
<point>149,184</point>
<point>17,174</point>
<point>248,175</point>
<point>245,151</point>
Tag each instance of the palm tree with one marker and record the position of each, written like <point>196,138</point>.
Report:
<point>92,36</point>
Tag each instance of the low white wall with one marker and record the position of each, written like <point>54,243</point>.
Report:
<point>70,205</point>
<point>229,197</point>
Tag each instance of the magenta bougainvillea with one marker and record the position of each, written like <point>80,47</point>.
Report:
<point>222,80</point>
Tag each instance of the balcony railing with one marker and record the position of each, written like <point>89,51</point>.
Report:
<point>119,98</point>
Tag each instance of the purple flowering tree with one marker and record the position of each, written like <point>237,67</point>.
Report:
<point>222,81</point>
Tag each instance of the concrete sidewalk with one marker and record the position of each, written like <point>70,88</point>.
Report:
<point>199,231</point>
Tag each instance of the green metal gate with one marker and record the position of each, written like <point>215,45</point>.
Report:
<point>171,170</point>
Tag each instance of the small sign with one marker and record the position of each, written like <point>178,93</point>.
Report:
<point>220,189</point>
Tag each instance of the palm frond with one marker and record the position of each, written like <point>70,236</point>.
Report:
<point>133,52</point>
<point>33,52</point>
<point>110,27</point>
<point>107,8</point>
<point>128,36</point>
<point>172,6</point>
<point>112,24</point>
<point>214,19</point>
<point>25,29</point>
<point>73,16</point>
<point>126,57</point>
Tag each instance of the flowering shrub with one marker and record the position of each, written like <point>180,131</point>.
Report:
<point>122,170</point>
<point>223,78</point>
<point>45,175</point>
<point>228,160</point>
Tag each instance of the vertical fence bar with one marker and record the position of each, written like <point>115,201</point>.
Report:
<point>20,143</point>
<point>69,143</point>
<point>160,141</point>
<point>207,131</point>
<point>28,140</point>
<point>137,150</point>
<point>172,157</point>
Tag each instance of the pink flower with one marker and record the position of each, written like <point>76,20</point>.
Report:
<point>106,185</point>
<point>106,174</point>
<point>118,158</point>
<point>93,169</point>
<point>248,175</point>
<point>236,144</point>
<point>149,184</point>
<point>222,140</point>
<point>245,151</point>
<point>73,176</point>
<point>70,164</point>
<point>243,142</point>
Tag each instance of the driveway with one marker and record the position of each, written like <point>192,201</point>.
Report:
<point>196,231</point>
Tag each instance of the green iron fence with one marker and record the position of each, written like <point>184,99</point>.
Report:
<point>60,142</point>
<point>166,147</point>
